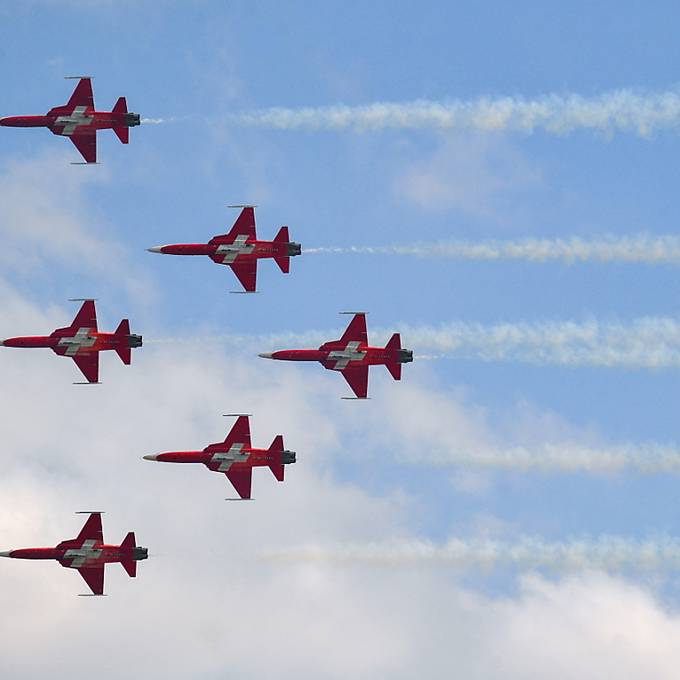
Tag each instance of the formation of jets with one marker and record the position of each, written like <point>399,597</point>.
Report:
<point>240,249</point>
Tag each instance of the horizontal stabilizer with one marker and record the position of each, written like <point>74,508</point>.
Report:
<point>123,350</point>
<point>121,106</point>
<point>130,566</point>
<point>282,236</point>
<point>276,452</point>
<point>284,263</point>
<point>123,133</point>
<point>395,370</point>
<point>129,543</point>
<point>394,342</point>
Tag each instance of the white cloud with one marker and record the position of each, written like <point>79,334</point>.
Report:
<point>47,218</point>
<point>473,174</point>
<point>204,605</point>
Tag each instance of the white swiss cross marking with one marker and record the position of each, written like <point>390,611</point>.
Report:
<point>80,340</point>
<point>73,120</point>
<point>81,555</point>
<point>342,357</point>
<point>232,250</point>
<point>226,458</point>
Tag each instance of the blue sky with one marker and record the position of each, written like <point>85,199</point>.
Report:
<point>201,65</point>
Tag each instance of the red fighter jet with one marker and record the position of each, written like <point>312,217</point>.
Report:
<point>352,355</point>
<point>235,457</point>
<point>88,553</point>
<point>82,341</point>
<point>240,249</point>
<point>79,121</point>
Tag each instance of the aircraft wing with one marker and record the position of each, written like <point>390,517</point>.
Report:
<point>246,273</point>
<point>94,577</point>
<point>88,365</point>
<point>357,379</point>
<point>239,433</point>
<point>356,331</point>
<point>86,316</point>
<point>92,529</point>
<point>241,480</point>
<point>86,142</point>
<point>82,95</point>
<point>244,226</point>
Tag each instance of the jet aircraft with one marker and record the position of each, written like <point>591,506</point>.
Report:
<point>82,341</point>
<point>235,457</point>
<point>88,553</point>
<point>79,121</point>
<point>240,249</point>
<point>352,355</point>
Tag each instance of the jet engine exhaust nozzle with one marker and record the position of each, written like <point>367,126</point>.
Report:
<point>140,553</point>
<point>132,119</point>
<point>134,340</point>
<point>288,457</point>
<point>405,356</point>
<point>294,249</point>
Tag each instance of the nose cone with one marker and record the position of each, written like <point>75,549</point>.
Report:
<point>266,355</point>
<point>3,121</point>
<point>151,456</point>
<point>6,553</point>
<point>155,249</point>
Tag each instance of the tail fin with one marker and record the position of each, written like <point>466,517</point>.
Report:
<point>122,131</point>
<point>283,261</point>
<point>124,351</point>
<point>394,344</point>
<point>129,542</point>
<point>276,451</point>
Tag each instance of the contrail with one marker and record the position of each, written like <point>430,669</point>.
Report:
<point>607,553</point>
<point>627,110</point>
<point>646,342</point>
<point>642,248</point>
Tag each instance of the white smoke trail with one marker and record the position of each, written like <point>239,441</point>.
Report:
<point>607,553</point>
<point>647,342</point>
<point>617,111</point>
<point>157,121</point>
<point>571,457</point>
<point>642,248</point>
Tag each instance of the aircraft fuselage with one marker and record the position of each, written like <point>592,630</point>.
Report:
<point>68,123</point>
